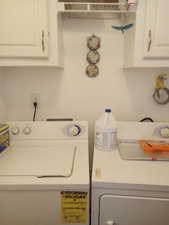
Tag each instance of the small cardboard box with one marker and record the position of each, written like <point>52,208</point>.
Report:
<point>4,137</point>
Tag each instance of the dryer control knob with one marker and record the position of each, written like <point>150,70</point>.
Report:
<point>27,130</point>
<point>75,130</point>
<point>110,222</point>
<point>164,132</point>
<point>15,130</point>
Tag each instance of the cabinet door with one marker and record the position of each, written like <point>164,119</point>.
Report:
<point>128,210</point>
<point>156,29</point>
<point>23,28</point>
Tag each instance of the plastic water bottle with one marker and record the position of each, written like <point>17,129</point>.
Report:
<point>106,132</point>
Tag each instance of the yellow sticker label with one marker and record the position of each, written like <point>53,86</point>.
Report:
<point>74,207</point>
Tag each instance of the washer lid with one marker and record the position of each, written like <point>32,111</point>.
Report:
<point>38,161</point>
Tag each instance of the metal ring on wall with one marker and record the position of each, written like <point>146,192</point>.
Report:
<point>158,98</point>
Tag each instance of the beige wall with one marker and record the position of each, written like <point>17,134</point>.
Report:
<point>71,92</point>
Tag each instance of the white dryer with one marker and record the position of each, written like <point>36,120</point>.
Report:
<point>44,174</point>
<point>133,191</point>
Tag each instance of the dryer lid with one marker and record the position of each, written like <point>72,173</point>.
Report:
<point>38,161</point>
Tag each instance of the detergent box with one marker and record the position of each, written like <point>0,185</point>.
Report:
<point>4,136</point>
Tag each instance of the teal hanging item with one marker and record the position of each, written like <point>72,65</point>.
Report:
<point>123,28</point>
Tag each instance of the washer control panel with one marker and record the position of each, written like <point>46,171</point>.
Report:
<point>43,130</point>
<point>16,130</point>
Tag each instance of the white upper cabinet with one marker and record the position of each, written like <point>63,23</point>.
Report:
<point>30,33</point>
<point>23,28</point>
<point>147,43</point>
<point>156,31</point>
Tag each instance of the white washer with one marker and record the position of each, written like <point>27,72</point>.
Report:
<point>44,174</point>
<point>130,192</point>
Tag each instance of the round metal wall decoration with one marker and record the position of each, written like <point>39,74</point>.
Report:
<point>93,57</point>
<point>93,42</point>
<point>92,70</point>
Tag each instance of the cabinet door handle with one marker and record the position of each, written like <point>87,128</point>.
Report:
<point>43,40</point>
<point>110,222</point>
<point>150,40</point>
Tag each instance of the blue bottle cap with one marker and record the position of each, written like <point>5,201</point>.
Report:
<point>108,110</point>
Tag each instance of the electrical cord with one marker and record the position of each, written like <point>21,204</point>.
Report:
<point>35,104</point>
<point>147,119</point>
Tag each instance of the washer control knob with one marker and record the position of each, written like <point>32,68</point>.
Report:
<point>15,130</point>
<point>27,130</point>
<point>75,130</point>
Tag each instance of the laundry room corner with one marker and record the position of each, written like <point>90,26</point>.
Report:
<point>84,112</point>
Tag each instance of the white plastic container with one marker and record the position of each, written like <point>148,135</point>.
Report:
<point>106,132</point>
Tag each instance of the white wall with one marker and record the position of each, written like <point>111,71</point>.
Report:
<point>128,93</point>
<point>71,92</point>
<point>2,103</point>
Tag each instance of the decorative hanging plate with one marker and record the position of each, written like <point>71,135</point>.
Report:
<point>92,70</point>
<point>93,42</point>
<point>93,57</point>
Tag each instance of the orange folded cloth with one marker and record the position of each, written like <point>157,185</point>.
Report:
<point>154,146</point>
